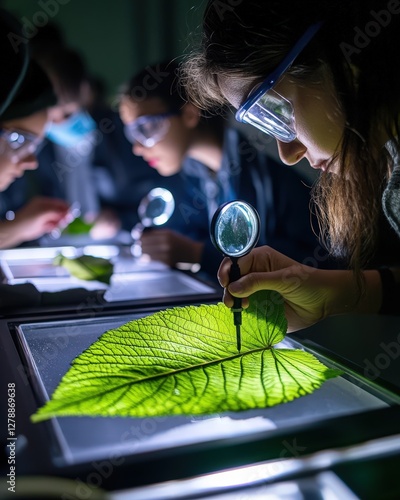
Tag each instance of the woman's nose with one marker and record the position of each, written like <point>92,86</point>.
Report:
<point>291,152</point>
<point>137,148</point>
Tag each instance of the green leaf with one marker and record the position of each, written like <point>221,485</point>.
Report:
<point>184,360</point>
<point>78,226</point>
<point>86,267</point>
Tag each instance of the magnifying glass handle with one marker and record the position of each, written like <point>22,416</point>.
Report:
<point>136,233</point>
<point>234,275</point>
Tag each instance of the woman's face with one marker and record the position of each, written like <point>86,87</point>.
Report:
<point>13,163</point>
<point>165,156</point>
<point>318,118</point>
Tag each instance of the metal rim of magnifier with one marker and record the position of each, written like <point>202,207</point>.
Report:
<point>156,193</point>
<point>256,225</point>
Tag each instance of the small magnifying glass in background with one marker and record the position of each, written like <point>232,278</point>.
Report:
<point>155,209</point>
<point>234,231</point>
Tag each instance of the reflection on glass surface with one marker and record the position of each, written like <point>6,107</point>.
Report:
<point>133,279</point>
<point>323,486</point>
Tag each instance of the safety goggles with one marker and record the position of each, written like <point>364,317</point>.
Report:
<point>18,144</point>
<point>149,129</point>
<point>265,108</point>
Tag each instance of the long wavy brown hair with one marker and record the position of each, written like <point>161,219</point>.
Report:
<point>249,40</point>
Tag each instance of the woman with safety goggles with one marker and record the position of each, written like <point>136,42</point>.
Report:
<point>328,92</point>
<point>217,163</point>
<point>22,125</point>
<point>25,95</point>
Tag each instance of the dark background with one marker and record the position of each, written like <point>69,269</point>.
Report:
<point>115,37</point>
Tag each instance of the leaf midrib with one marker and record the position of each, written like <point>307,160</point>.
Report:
<point>172,372</point>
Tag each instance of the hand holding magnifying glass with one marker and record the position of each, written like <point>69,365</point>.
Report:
<point>234,231</point>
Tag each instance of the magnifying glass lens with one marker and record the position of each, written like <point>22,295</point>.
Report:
<point>235,228</point>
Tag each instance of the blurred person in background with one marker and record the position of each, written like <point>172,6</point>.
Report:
<point>22,127</point>
<point>25,95</point>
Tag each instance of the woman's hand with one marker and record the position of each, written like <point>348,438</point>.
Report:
<point>106,225</point>
<point>310,294</point>
<point>38,217</point>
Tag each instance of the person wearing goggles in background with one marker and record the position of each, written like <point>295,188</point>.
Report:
<point>66,170</point>
<point>25,95</point>
<point>217,164</point>
<point>22,127</point>
<point>291,71</point>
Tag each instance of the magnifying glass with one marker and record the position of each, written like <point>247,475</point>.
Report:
<point>234,231</point>
<point>154,209</point>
